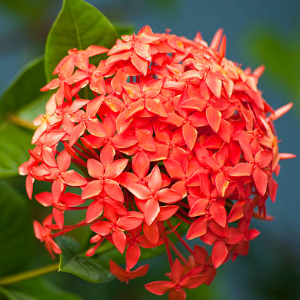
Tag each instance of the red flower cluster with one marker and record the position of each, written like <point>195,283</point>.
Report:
<point>165,132</point>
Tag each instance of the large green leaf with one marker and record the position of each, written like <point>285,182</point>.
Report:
<point>78,25</point>
<point>124,29</point>
<point>16,233</point>
<point>22,99</point>
<point>36,289</point>
<point>73,261</point>
<point>15,143</point>
<point>24,89</point>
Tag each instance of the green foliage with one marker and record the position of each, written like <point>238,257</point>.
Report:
<point>75,262</point>
<point>78,25</point>
<point>279,54</point>
<point>124,29</point>
<point>16,233</point>
<point>24,89</point>
<point>18,101</point>
<point>36,289</point>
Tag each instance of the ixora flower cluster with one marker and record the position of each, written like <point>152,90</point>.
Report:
<point>165,133</point>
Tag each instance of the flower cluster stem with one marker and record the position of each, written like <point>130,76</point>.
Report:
<point>28,274</point>
<point>20,122</point>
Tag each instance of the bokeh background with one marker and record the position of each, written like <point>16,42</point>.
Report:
<point>258,32</point>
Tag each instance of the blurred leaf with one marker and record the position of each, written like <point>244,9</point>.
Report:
<point>22,99</point>
<point>124,29</point>
<point>24,89</point>
<point>16,233</point>
<point>36,289</point>
<point>78,25</point>
<point>73,261</point>
<point>15,143</point>
<point>279,54</point>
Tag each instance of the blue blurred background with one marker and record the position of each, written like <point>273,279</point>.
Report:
<point>258,32</point>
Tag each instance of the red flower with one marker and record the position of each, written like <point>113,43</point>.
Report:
<point>170,132</point>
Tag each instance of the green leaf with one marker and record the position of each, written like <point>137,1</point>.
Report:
<point>36,289</point>
<point>78,25</point>
<point>15,143</point>
<point>16,232</point>
<point>124,29</point>
<point>24,89</point>
<point>22,99</point>
<point>77,263</point>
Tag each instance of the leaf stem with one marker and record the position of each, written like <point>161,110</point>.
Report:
<point>28,274</point>
<point>20,122</point>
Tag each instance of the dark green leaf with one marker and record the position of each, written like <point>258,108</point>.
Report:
<point>36,289</point>
<point>22,99</point>
<point>124,29</point>
<point>78,25</point>
<point>16,232</point>
<point>15,143</point>
<point>24,89</point>
<point>77,263</point>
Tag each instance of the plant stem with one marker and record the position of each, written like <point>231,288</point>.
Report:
<point>20,122</point>
<point>28,274</point>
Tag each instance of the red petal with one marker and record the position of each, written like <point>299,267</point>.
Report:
<point>140,63</point>
<point>214,84</point>
<point>76,133</point>
<point>197,229</point>
<point>107,154</point>
<point>242,169</point>
<point>151,233</point>
<point>261,180</point>
<point>263,158</point>
<point>174,168</point>
<point>95,128</point>
<point>129,223</point>
<point>71,200</point>
<point>39,230</point>
<point>219,253</point>
<point>155,106</point>
<point>166,212</point>
<point>44,198</point>
<point>63,161</point>
<point>139,190</point>
<point>102,227</point>
<point>72,178</point>
<point>189,134</point>
<point>118,271</point>
<point>168,196</point>
<point>92,189</point>
<point>191,282</point>
<point>234,236</point>
<point>159,287</point>
<point>218,212</point>
<point>133,254</point>
<point>95,168</point>
<point>213,117</point>
<point>119,240</point>
<point>140,164</point>
<point>145,139</point>
<point>151,211</point>
<point>94,210</point>
<point>58,216</point>
<point>113,190</point>
<point>199,207</point>
<point>114,169</point>
<point>237,211</point>
<point>177,271</point>
<point>221,183</point>
<point>155,180</point>
<point>198,119</point>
